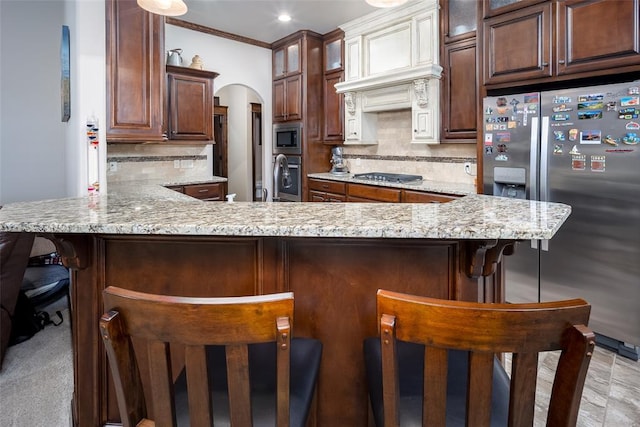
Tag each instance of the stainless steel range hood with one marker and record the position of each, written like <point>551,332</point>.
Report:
<point>391,60</point>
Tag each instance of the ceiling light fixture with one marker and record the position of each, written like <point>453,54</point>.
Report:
<point>284,17</point>
<point>386,3</point>
<point>164,7</point>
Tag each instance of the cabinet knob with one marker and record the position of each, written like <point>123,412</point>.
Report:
<point>545,64</point>
<point>561,61</point>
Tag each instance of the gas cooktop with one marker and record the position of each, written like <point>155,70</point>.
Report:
<point>389,177</point>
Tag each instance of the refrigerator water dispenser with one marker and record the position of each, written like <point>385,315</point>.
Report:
<point>510,182</point>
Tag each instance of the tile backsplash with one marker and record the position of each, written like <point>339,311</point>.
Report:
<point>395,153</point>
<point>171,163</point>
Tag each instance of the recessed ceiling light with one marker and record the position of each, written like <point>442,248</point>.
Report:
<point>284,17</point>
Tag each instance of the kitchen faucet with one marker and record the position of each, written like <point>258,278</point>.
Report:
<point>280,164</point>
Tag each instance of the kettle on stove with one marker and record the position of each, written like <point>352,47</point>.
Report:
<point>174,58</point>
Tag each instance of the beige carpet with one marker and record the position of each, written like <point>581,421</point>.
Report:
<point>36,381</point>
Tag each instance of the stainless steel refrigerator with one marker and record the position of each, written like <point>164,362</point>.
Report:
<point>579,147</point>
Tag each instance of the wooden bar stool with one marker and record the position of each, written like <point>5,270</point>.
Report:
<point>434,363</point>
<point>241,366</point>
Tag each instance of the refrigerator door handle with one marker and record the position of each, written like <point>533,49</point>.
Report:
<point>544,168</point>
<point>533,166</point>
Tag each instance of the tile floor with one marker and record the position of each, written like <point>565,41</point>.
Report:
<point>611,396</point>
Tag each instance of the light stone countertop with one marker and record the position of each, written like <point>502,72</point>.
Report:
<point>458,189</point>
<point>149,208</point>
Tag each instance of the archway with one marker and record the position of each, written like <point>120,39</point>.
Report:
<point>245,134</point>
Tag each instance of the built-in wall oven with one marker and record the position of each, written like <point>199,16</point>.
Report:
<point>292,193</point>
<point>287,138</point>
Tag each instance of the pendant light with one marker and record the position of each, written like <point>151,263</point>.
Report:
<point>386,3</point>
<point>164,7</point>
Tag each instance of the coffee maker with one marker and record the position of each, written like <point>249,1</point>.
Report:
<point>339,166</point>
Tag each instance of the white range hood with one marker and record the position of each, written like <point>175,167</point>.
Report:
<point>391,60</point>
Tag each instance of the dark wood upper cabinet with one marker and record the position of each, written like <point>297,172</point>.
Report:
<point>135,73</point>
<point>517,45</point>
<point>190,103</point>
<point>460,89</point>
<point>560,40</point>
<point>286,58</point>
<point>459,19</point>
<point>459,60</point>
<point>582,48</point>
<point>333,129</point>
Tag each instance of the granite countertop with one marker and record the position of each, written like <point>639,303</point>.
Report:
<point>149,208</point>
<point>458,189</point>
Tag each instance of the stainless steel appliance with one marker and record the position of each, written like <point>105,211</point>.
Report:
<point>389,177</point>
<point>287,138</point>
<point>287,182</point>
<point>579,147</point>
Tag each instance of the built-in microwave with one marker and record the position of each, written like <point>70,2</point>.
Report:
<point>287,138</point>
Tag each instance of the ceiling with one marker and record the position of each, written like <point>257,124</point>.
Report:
<point>257,19</point>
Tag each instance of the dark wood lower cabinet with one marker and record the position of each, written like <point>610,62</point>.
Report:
<point>334,281</point>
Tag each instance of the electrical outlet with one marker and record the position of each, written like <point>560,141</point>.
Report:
<point>187,164</point>
<point>176,164</point>
<point>113,166</point>
<point>358,161</point>
<point>467,168</point>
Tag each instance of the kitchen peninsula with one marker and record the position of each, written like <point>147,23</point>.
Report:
<point>332,256</point>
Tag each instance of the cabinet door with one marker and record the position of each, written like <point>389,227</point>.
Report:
<point>459,19</point>
<point>293,95</point>
<point>333,109</point>
<point>190,107</point>
<point>207,192</point>
<point>581,47</point>
<point>279,104</point>
<point>459,105</point>
<point>517,45</point>
<point>356,192</point>
<point>135,73</point>
<point>287,99</point>
<point>287,59</point>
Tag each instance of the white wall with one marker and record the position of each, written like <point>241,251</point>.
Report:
<point>237,64</point>
<point>42,157</point>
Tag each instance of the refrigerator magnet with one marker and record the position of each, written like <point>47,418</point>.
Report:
<point>558,135</point>
<point>488,139</point>
<point>488,150</point>
<point>628,101</point>
<point>503,137</point>
<point>634,90</point>
<point>531,98</point>
<point>591,97</point>
<point>561,100</point>
<point>574,150</point>
<point>558,149</point>
<point>502,158</point>
<point>590,137</point>
<point>631,138</point>
<point>632,126</point>
<point>573,134</point>
<point>597,163</point>
<point>578,162</point>
<point>512,124</point>
<point>629,113</point>
<point>612,106</point>
<point>610,140</point>
<point>588,115</point>
<point>562,108</point>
